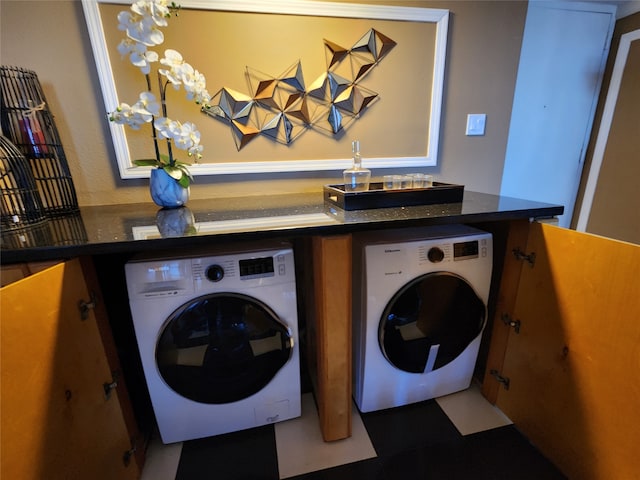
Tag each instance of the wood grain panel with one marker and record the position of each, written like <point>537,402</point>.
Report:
<point>517,238</point>
<point>332,294</point>
<point>56,422</point>
<point>109,345</point>
<point>575,386</point>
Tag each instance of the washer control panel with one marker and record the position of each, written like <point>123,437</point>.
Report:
<point>185,276</point>
<point>255,267</point>
<point>465,250</point>
<point>243,269</point>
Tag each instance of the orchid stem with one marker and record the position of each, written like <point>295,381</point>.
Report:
<point>163,102</point>
<point>153,125</point>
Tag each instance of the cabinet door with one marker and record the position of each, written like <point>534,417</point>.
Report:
<point>56,421</point>
<point>573,370</point>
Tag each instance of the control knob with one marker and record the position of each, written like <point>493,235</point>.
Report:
<point>214,273</point>
<point>435,254</point>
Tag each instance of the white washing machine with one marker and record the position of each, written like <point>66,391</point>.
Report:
<point>218,339</point>
<point>420,306</point>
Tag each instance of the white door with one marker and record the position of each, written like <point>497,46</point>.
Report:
<point>562,61</point>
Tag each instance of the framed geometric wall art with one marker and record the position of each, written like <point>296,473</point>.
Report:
<point>236,44</point>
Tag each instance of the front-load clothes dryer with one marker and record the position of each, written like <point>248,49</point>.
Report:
<point>218,339</point>
<point>420,306</point>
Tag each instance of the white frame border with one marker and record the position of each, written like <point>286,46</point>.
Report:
<point>293,7</point>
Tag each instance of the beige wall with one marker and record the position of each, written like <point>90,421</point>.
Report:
<point>614,211</point>
<point>483,53</point>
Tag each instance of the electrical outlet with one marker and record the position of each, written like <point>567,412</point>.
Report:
<point>476,123</point>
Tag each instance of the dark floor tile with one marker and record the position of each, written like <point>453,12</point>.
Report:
<point>503,452</point>
<point>499,454</point>
<point>245,455</point>
<point>414,442</point>
<point>408,427</point>
<point>370,469</point>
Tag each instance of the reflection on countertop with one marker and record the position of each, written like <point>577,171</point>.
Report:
<point>136,227</point>
<point>180,222</point>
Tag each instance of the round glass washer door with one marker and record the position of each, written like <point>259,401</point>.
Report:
<point>221,348</point>
<point>430,321</point>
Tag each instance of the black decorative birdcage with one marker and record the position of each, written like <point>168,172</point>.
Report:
<point>20,201</point>
<point>27,121</point>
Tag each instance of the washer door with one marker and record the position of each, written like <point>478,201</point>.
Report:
<point>221,348</point>
<point>430,321</point>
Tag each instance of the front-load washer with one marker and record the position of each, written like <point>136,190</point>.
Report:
<point>218,338</point>
<point>420,306</point>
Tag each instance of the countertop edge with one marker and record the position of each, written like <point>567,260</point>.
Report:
<point>54,252</point>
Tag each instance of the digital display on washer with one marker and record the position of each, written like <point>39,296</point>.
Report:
<point>465,250</point>
<point>256,266</point>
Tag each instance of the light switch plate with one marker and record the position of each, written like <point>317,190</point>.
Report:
<point>476,123</point>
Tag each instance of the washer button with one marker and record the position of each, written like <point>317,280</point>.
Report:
<point>214,273</point>
<point>435,255</point>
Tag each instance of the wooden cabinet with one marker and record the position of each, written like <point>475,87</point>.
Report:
<point>571,367</point>
<point>569,375</point>
<point>59,418</point>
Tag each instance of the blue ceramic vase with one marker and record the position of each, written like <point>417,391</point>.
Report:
<point>165,191</point>
<point>175,222</point>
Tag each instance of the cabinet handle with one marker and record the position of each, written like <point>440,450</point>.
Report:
<point>84,306</point>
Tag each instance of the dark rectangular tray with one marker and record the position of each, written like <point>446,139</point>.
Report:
<point>377,197</point>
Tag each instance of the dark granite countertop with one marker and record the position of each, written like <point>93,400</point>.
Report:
<point>141,227</point>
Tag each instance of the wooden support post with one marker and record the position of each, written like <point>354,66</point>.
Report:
<point>332,300</point>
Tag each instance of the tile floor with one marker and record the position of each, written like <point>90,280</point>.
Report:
<point>460,436</point>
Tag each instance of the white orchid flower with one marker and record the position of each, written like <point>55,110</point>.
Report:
<point>128,115</point>
<point>149,102</point>
<point>187,136</point>
<point>139,113</point>
<point>146,107</point>
<point>142,26</point>
<point>126,20</point>
<point>182,73</point>
<point>126,46</point>
<point>174,61</point>
<point>172,58</point>
<point>196,151</point>
<point>146,32</point>
<point>194,84</point>
<point>166,127</point>
<point>158,10</point>
<point>143,58</point>
<point>120,113</point>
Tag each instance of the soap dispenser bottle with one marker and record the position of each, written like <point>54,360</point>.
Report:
<point>356,178</point>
